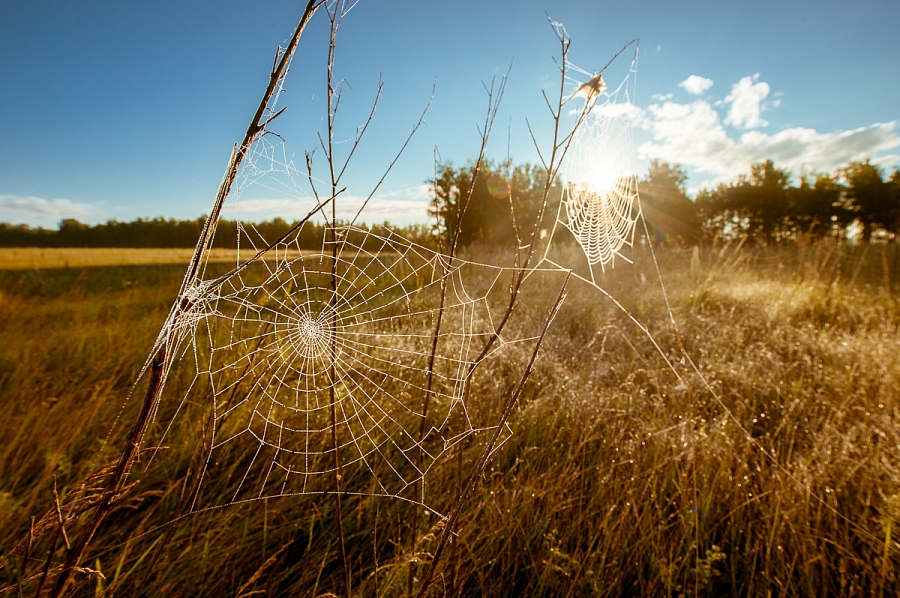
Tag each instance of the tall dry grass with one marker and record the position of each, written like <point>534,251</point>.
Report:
<point>618,479</point>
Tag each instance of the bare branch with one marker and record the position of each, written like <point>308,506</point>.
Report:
<point>158,361</point>
<point>536,146</point>
<point>273,117</point>
<point>309,174</point>
<point>547,101</point>
<point>488,450</point>
<point>360,133</point>
<point>397,156</point>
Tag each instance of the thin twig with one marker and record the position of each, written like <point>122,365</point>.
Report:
<point>59,517</point>
<point>490,116</point>
<point>486,453</point>
<point>396,157</point>
<point>333,97</point>
<point>159,358</point>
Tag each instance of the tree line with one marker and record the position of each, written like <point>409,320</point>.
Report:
<point>172,233</point>
<point>766,205</point>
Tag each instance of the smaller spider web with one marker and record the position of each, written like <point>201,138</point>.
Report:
<point>599,203</point>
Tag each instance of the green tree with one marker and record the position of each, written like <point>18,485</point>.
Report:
<point>665,205</point>
<point>765,198</point>
<point>817,205</point>
<point>755,205</point>
<point>871,197</point>
<point>503,198</point>
<point>894,183</point>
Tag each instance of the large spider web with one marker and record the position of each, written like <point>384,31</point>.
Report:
<point>279,346</point>
<point>349,359</point>
<point>321,358</point>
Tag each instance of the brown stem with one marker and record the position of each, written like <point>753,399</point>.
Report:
<point>46,571</point>
<point>25,557</point>
<point>118,478</point>
<point>462,206</point>
<point>333,97</point>
<point>486,453</point>
<point>159,361</point>
<point>558,150</point>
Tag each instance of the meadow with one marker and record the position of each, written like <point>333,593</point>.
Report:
<point>618,478</point>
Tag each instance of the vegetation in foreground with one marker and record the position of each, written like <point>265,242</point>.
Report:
<point>618,479</point>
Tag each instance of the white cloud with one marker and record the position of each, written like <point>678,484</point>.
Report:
<point>401,206</point>
<point>36,210</point>
<point>690,134</point>
<point>694,135</point>
<point>662,97</point>
<point>745,99</point>
<point>695,84</point>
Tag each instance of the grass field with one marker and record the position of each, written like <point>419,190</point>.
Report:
<point>40,258</point>
<point>618,479</point>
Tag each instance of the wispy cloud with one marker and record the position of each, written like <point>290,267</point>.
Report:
<point>746,103</point>
<point>37,210</point>
<point>401,206</point>
<point>694,135</point>
<point>695,84</point>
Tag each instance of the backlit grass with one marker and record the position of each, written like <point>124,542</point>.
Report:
<point>619,478</point>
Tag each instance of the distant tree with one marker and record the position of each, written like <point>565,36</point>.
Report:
<point>73,233</point>
<point>765,197</point>
<point>872,199</point>
<point>817,206</point>
<point>666,207</point>
<point>22,235</point>
<point>489,217</point>
<point>160,233</point>
<point>715,220</point>
<point>755,205</point>
<point>894,183</point>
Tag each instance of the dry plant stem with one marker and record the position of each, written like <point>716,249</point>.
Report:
<point>46,571</point>
<point>490,116</point>
<point>482,461</point>
<point>158,368</point>
<point>115,484</point>
<point>206,447</point>
<point>257,126</point>
<point>25,557</point>
<point>334,98</point>
<point>558,151</point>
<point>396,157</point>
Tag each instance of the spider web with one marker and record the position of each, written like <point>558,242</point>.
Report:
<point>278,347</point>
<point>599,204</point>
<point>324,361</point>
<point>318,355</point>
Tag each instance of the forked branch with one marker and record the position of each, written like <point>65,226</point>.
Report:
<point>488,450</point>
<point>159,360</point>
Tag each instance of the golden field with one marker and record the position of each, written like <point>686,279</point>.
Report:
<point>617,479</point>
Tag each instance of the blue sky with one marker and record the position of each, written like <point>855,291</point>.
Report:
<point>119,110</point>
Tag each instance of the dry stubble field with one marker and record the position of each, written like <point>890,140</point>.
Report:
<point>618,479</point>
